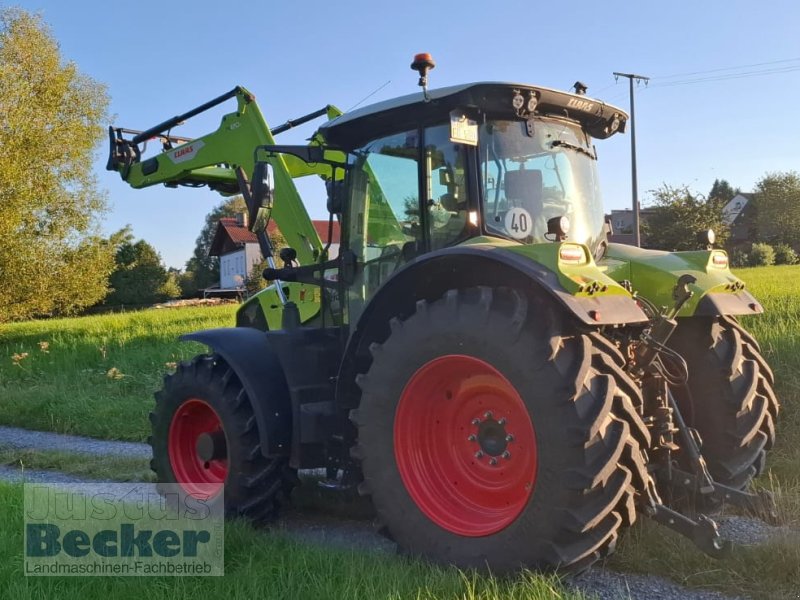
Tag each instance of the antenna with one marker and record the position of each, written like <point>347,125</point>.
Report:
<point>370,95</point>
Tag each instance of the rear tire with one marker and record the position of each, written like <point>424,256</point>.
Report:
<point>206,396</point>
<point>450,373</point>
<point>733,405</point>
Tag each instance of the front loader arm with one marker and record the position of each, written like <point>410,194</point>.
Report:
<point>215,158</point>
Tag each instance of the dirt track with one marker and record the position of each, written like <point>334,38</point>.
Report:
<point>315,528</point>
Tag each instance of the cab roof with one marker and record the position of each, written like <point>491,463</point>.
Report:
<point>494,99</point>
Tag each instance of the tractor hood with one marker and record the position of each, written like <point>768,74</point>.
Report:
<point>654,273</point>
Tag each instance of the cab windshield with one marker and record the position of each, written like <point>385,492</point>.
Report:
<point>529,179</point>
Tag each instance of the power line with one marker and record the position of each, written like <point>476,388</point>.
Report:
<point>729,76</point>
<point>659,81</point>
<point>761,64</point>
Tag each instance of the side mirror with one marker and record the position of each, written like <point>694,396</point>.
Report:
<point>335,191</point>
<point>261,188</point>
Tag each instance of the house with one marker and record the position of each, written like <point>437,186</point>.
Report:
<point>237,248</point>
<point>740,215</point>
<point>622,224</point>
<point>238,251</point>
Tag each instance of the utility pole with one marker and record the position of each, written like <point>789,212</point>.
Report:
<point>634,185</point>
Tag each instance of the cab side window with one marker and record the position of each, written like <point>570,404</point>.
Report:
<point>446,186</point>
<point>385,219</point>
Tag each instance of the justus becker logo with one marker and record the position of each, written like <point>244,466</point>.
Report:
<point>122,529</point>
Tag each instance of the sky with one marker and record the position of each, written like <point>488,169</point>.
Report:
<point>721,101</point>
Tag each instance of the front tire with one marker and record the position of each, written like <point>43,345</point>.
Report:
<point>733,405</point>
<point>204,397</point>
<point>480,373</point>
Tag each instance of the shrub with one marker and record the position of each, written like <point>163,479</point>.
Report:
<point>740,258</point>
<point>762,255</point>
<point>785,255</point>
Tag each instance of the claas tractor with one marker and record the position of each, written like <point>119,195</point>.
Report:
<point>509,388</point>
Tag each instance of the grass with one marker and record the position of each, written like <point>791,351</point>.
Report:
<point>270,566</point>
<point>778,331</point>
<point>95,376</point>
<point>88,466</point>
<point>770,571</point>
<point>70,386</point>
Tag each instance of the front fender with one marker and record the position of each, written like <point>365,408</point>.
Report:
<point>251,356</point>
<point>654,273</point>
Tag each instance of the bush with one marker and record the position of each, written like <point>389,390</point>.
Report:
<point>762,255</point>
<point>740,258</point>
<point>785,255</point>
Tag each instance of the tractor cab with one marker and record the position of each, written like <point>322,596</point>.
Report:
<point>457,165</point>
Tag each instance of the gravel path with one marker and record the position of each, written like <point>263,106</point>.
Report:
<point>749,531</point>
<point>17,475</point>
<point>331,531</point>
<point>14,437</point>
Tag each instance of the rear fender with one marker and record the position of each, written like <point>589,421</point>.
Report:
<point>654,273</point>
<point>255,362</point>
<point>585,292</point>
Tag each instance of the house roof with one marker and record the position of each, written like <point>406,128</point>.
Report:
<point>322,230</point>
<point>230,236</point>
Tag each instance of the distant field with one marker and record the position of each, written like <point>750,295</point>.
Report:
<point>95,375</point>
<point>778,332</point>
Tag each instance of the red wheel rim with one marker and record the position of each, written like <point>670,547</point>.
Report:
<point>196,476</point>
<point>465,445</point>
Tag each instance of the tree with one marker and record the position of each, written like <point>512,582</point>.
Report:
<point>202,270</point>
<point>140,277</point>
<point>679,216</point>
<point>777,201</point>
<point>52,259</point>
<point>171,288</point>
<point>722,192</point>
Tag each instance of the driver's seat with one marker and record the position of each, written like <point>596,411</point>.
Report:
<point>525,188</point>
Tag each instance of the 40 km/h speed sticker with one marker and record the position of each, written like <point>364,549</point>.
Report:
<point>519,224</point>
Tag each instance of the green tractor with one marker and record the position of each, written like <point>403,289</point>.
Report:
<point>509,388</point>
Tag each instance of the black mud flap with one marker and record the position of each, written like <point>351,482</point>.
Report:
<point>254,360</point>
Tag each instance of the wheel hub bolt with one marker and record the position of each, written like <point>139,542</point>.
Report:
<point>509,438</point>
<point>506,454</point>
<point>493,461</point>
<point>479,454</point>
<point>501,421</point>
<point>476,421</point>
<point>487,414</point>
<point>472,437</point>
